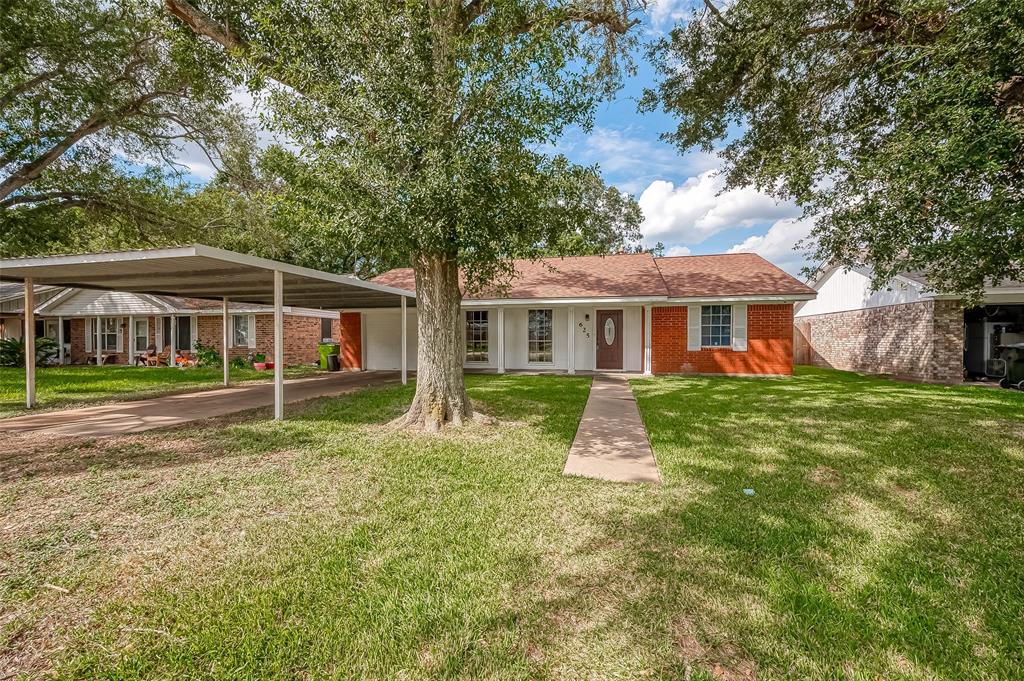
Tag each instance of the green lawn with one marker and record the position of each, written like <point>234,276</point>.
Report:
<point>883,540</point>
<point>62,387</point>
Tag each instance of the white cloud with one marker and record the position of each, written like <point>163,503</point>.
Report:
<point>677,250</point>
<point>618,152</point>
<point>698,209</point>
<point>664,13</point>
<point>778,244</point>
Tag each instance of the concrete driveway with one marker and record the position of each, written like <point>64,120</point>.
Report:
<point>171,410</point>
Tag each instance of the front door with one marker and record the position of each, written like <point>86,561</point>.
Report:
<point>609,339</point>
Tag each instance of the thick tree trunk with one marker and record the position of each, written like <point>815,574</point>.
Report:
<point>440,392</point>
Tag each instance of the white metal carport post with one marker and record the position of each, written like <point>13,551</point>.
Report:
<point>278,345</point>
<point>647,340</point>
<point>60,341</point>
<point>405,351</point>
<point>30,344</point>
<point>224,338</point>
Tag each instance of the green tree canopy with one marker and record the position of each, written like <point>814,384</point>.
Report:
<point>419,125</point>
<point>95,94</point>
<point>897,124</point>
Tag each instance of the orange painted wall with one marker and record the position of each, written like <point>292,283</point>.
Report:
<point>351,340</point>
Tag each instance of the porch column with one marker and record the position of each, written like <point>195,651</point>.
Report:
<point>224,338</point>
<point>647,340</point>
<point>60,340</point>
<point>405,359</point>
<point>96,341</point>
<point>278,345</point>
<point>501,340</point>
<point>173,342</point>
<point>30,344</point>
<point>131,340</point>
<point>571,340</point>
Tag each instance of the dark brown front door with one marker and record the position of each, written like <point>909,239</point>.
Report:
<point>609,339</point>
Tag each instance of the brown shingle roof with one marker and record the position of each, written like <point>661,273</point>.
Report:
<point>733,274</point>
<point>621,276</point>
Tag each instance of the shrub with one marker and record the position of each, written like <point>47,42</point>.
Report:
<point>12,351</point>
<point>206,355</point>
<point>238,363</point>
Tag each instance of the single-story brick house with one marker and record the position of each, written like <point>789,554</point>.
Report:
<point>713,314</point>
<point>904,328</point>
<point>118,323</point>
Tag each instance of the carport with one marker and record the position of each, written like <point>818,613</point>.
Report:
<point>204,272</point>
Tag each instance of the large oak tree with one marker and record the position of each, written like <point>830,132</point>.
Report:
<point>421,125</point>
<point>92,92</point>
<point>897,124</point>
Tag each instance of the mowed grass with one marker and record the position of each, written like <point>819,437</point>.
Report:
<point>69,386</point>
<point>883,540</point>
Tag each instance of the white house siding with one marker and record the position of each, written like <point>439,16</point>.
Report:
<point>845,290</point>
<point>104,304</point>
<point>382,334</point>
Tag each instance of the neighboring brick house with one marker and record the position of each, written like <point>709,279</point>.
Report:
<point>714,314</point>
<point>118,324</point>
<point>903,328</point>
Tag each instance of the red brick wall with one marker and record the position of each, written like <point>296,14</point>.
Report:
<point>301,337</point>
<point>769,344</point>
<point>351,334</point>
<point>921,341</point>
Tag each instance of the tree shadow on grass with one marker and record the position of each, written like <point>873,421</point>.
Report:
<point>882,538</point>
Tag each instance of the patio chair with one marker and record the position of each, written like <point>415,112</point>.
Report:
<point>147,358</point>
<point>163,358</point>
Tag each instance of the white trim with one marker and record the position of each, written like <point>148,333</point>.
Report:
<point>49,302</point>
<point>764,300</point>
<point>501,339</point>
<point>561,302</point>
<point>693,328</point>
<point>738,317</point>
<point>404,341</point>
<point>648,355</point>
<point>570,341</point>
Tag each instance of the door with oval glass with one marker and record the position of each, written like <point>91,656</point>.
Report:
<point>609,339</point>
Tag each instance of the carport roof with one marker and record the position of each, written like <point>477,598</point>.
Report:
<point>200,271</point>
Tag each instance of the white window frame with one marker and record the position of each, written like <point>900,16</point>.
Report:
<point>721,311</point>
<point>144,335</point>
<point>249,340</point>
<point>101,334</point>
<point>51,326</point>
<point>551,326</point>
<point>486,333</point>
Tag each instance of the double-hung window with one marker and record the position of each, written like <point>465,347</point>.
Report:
<point>716,326</point>
<point>540,337</point>
<point>241,333</point>
<point>141,333</point>
<point>476,335</point>
<point>106,333</point>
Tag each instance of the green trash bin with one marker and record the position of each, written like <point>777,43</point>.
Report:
<point>328,349</point>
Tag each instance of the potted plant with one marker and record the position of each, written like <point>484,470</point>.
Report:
<point>259,362</point>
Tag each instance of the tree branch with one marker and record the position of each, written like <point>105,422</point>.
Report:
<point>21,88</point>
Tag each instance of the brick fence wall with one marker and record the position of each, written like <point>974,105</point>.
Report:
<point>922,341</point>
<point>769,344</point>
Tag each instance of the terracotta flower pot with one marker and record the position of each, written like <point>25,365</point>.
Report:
<point>259,366</point>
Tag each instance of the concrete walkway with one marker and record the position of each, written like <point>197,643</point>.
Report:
<point>171,410</point>
<point>611,443</point>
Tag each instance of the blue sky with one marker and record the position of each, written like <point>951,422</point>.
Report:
<point>679,193</point>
